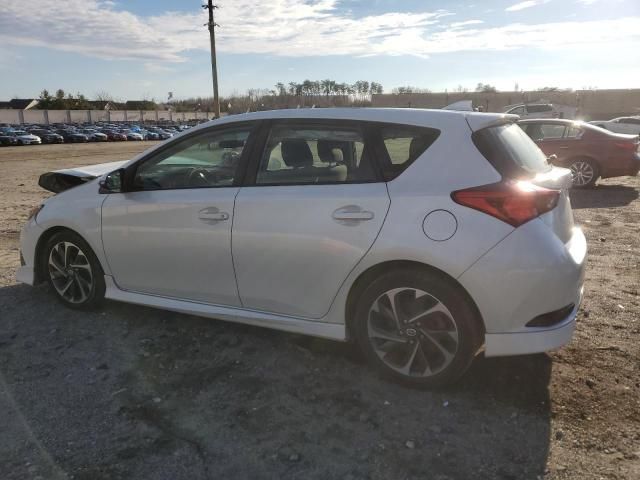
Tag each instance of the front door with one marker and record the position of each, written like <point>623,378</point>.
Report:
<point>171,235</point>
<point>314,209</point>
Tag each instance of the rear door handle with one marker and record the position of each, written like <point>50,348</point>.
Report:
<point>212,214</point>
<point>352,213</point>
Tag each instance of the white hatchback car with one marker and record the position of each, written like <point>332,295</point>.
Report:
<point>423,235</point>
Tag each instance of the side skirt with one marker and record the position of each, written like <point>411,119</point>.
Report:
<point>331,331</point>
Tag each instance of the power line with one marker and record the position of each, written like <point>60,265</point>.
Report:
<point>214,69</point>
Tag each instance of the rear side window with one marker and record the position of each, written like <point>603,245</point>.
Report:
<point>510,150</point>
<point>403,145</point>
<point>315,154</point>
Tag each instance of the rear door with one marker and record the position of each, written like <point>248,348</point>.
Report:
<point>313,206</point>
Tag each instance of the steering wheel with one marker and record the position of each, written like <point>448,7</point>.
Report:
<point>201,177</point>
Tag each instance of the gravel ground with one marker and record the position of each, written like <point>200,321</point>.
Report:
<point>130,392</point>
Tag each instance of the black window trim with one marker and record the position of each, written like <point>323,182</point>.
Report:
<point>363,126</point>
<point>130,171</point>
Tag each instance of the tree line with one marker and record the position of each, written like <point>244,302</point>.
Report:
<point>327,87</point>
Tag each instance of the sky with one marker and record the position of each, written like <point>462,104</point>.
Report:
<point>134,49</point>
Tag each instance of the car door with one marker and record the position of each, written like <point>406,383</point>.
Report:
<point>170,233</point>
<point>313,206</point>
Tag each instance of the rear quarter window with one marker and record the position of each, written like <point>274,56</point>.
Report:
<point>511,152</point>
<point>403,145</point>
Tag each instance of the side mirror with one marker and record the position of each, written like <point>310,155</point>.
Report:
<point>113,182</point>
<point>552,158</point>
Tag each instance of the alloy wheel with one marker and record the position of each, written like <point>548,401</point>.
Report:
<point>412,332</point>
<point>582,173</point>
<point>70,272</point>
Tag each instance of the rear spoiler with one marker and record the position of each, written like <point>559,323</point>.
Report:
<point>481,121</point>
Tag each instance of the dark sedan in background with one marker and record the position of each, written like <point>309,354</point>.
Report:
<point>589,151</point>
<point>71,136</point>
<point>47,136</point>
<point>7,140</point>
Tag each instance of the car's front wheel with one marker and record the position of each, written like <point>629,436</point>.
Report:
<point>417,327</point>
<point>584,173</point>
<point>73,271</point>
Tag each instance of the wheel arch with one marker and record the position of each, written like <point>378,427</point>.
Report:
<point>366,277</point>
<point>40,259</point>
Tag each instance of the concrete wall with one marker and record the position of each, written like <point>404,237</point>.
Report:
<point>591,104</point>
<point>82,116</point>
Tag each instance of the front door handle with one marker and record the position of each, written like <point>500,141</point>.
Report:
<point>352,214</point>
<point>212,214</point>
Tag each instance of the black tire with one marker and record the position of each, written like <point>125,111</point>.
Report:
<point>460,314</point>
<point>78,296</point>
<point>580,166</point>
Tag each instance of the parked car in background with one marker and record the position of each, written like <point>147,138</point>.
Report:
<point>7,140</point>
<point>629,125</point>
<point>72,136</point>
<point>149,135</point>
<point>339,223</point>
<point>541,110</point>
<point>131,135</point>
<point>589,151</point>
<point>114,136</point>
<point>25,138</point>
<point>47,136</point>
<point>94,135</point>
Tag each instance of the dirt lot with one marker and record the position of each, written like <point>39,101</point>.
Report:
<point>136,393</point>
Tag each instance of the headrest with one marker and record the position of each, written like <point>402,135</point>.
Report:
<point>331,151</point>
<point>296,153</point>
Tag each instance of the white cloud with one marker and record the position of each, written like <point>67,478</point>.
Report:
<point>522,5</point>
<point>294,28</point>
<point>465,23</point>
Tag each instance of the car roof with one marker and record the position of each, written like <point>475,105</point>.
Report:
<point>411,116</point>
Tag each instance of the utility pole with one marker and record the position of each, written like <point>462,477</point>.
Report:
<point>214,69</point>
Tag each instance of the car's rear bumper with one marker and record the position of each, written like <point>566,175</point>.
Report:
<point>530,274</point>
<point>535,340</point>
<point>620,168</point>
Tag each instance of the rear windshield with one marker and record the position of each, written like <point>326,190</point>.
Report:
<point>512,153</point>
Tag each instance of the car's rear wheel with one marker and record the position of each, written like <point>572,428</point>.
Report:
<point>417,327</point>
<point>584,173</point>
<point>73,271</point>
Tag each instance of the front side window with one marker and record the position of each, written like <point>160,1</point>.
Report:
<point>210,159</point>
<point>517,111</point>
<point>315,155</point>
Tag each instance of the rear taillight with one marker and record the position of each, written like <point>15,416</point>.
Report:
<point>627,146</point>
<point>513,202</point>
